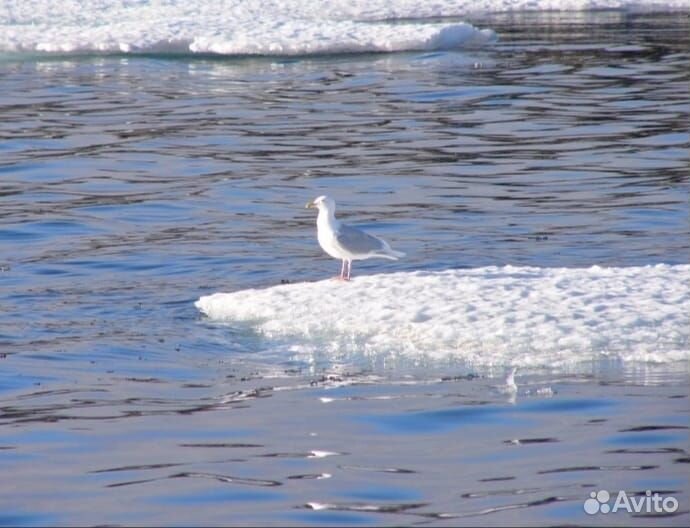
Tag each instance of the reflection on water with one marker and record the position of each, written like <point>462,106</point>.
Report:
<point>130,186</point>
<point>288,453</point>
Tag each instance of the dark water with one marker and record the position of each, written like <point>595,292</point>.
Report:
<point>129,186</point>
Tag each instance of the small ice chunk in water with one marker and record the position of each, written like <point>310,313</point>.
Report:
<point>510,384</point>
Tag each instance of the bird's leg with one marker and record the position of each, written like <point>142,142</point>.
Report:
<point>342,275</point>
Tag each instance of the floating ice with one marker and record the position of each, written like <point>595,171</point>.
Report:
<point>493,316</point>
<point>265,27</point>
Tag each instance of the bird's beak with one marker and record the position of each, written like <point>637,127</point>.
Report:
<point>310,205</point>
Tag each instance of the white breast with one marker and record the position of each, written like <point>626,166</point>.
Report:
<point>326,227</point>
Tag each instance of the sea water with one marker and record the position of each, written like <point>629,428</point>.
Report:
<point>157,155</point>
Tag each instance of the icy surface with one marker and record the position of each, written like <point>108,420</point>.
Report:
<point>263,27</point>
<point>486,316</point>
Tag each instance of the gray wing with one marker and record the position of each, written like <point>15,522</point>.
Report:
<point>357,241</point>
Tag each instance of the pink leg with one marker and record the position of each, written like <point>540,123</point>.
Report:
<point>342,270</point>
<point>349,269</point>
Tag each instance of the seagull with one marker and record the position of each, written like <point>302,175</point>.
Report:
<point>345,242</point>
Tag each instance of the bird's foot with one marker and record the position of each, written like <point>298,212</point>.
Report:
<point>339,278</point>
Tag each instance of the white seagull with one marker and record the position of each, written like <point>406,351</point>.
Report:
<point>345,242</point>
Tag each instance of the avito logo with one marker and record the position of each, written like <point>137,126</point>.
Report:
<point>598,502</point>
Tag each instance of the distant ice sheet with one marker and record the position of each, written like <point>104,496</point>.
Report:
<point>262,27</point>
<point>493,316</point>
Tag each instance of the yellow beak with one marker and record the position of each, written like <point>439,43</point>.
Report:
<point>310,205</point>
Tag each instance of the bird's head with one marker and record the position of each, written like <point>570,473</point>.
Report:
<point>322,203</point>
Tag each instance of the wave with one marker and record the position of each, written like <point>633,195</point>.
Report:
<point>486,317</point>
<point>261,27</point>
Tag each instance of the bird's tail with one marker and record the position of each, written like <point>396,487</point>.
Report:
<point>392,254</point>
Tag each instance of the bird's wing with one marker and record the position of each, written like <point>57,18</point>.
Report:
<point>357,241</point>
